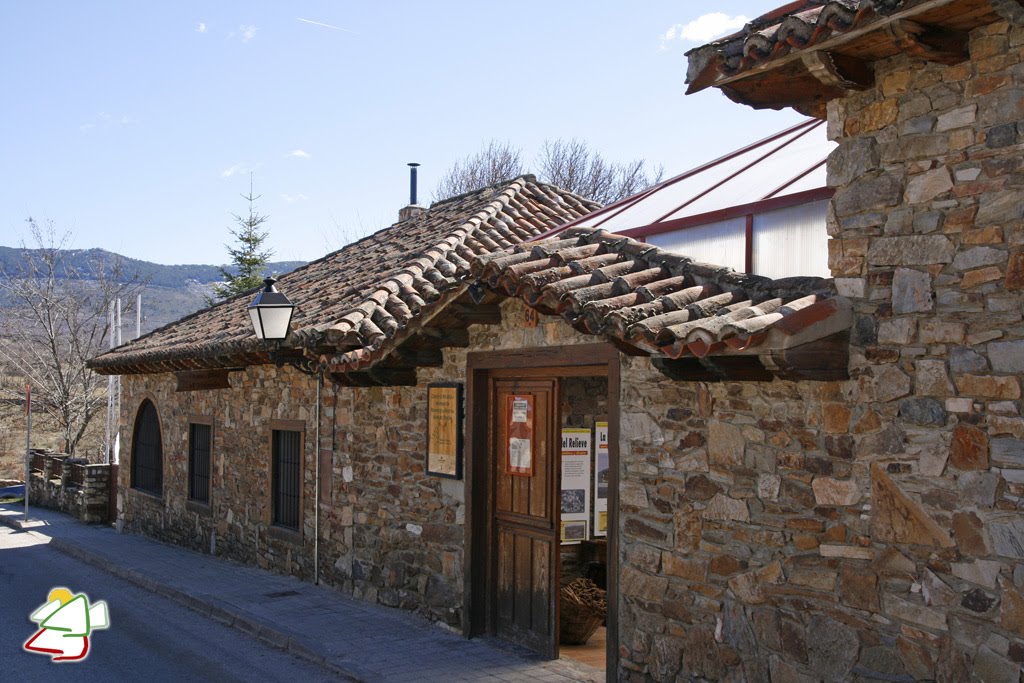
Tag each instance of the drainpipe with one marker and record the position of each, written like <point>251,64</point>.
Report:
<point>316,477</point>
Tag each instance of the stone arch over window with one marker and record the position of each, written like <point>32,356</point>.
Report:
<point>147,450</point>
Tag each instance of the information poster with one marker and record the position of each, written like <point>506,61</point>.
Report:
<point>601,480</point>
<point>519,413</point>
<point>444,430</point>
<point>576,453</point>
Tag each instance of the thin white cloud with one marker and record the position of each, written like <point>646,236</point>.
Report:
<point>232,170</point>
<point>247,31</point>
<point>320,23</point>
<point>292,198</point>
<point>300,153</point>
<point>201,28</point>
<point>104,120</point>
<point>705,27</point>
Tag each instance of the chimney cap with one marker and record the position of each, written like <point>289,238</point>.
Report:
<point>413,164</point>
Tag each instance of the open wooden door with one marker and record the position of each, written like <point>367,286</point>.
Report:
<point>525,532</point>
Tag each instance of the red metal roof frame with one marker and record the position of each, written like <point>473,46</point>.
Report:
<point>618,207</point>
<point>760,206</point>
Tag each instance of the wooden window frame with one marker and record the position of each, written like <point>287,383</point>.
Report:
<point>133,470</point>
<point>277,530</point>
<point>192,503</point>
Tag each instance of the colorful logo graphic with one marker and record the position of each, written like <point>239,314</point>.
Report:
<point>65,623</point>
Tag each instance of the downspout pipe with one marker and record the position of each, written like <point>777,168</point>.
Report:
<point>316,483</point>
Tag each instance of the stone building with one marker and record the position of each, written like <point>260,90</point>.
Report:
<point>810,479</point>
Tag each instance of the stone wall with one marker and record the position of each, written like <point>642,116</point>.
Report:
<point>388,533</point>
<point>869,529</point>
<point>88,499</point>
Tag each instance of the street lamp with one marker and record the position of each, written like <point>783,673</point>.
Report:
<point>271,313</point>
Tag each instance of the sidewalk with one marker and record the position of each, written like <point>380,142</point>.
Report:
<point>356,639</point>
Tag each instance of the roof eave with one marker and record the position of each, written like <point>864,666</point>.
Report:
<point>831,58</point>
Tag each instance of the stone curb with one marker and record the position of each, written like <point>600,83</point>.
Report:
<point>205,605</point>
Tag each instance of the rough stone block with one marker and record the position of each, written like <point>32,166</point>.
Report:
<point>987,386</point>
<point>969,448</point>
<point>981,572</point>
<point>915,250</point>
<point>926,186</point>
<point>923,411</point>
<point>957,118</point>
<point>897,331</point>
<point>1007,536</point>
<point>829,491</point>
<point>911,291</point>
<point>1007,356</point>
<point>866,193</point>
<point>722,507</point>
<point>897,518</point>
<point>898,608</point>
<point>726,444</point>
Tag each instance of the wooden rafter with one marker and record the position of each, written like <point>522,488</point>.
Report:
<point>839,71</point>
<point>933,44</point>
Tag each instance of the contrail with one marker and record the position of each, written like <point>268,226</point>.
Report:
<point>320,23</point>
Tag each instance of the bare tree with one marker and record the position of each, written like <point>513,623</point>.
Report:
<point>55,317</point>
<point>496,162</point>
<point>570,164</point>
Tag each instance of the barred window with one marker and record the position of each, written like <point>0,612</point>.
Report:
<point>199,445</point>
<point>147,451</point>
<point>286,477</point>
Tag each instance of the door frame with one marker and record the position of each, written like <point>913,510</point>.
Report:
<point>597,359</point>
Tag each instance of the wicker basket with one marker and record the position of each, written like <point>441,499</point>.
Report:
<point>583,609</point>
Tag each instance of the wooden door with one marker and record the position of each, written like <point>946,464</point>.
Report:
<point>525,515</point>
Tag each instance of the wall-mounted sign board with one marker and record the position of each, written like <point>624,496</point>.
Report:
<point>601,479</point>
<point>444,429</point>
<point>575,493</point>
<point>202,380</point>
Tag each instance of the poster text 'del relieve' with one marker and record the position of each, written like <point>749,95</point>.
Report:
<point>519,450</point>
<point>444,429</point>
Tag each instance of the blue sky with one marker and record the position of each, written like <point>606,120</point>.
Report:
<point>135,125</point>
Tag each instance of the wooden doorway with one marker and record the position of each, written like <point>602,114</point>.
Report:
<point>525,519</point>
<point>512,532</point>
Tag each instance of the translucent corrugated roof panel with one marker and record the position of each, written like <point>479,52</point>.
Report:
<point>783,164</point>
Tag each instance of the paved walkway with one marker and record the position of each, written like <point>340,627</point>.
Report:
<point>356,639</point>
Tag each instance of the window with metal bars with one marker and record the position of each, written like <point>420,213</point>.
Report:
<point>147,451</point>
<point>286,477</point>
<point>199,445</point>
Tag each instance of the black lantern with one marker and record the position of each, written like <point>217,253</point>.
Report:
<point>271,312</point>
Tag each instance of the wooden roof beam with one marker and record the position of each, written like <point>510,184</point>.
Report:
<point>839,71</point>
<point>931,43</point>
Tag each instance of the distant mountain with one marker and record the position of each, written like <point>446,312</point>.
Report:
<point>171,292</point>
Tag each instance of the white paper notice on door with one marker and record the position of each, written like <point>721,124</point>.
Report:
<point>520,409</point>
<point>520,456</point>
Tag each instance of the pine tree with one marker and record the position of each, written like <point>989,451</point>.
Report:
<point>248,260</point>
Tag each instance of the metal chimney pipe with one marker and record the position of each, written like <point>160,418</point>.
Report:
<point>412,182</point>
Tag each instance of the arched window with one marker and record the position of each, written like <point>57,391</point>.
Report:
<point>147,451</point>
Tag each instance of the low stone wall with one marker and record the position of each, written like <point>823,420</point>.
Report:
<point>78,489</point>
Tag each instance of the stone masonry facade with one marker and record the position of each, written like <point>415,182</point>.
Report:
<point>867,529</point>
<point>859,530</point>
<point>388,533</point>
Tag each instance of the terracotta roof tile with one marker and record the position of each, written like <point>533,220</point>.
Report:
<point>662,302</point>
<point>362,296</point>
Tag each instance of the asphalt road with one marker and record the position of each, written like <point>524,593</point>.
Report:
<point>150,638</point>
